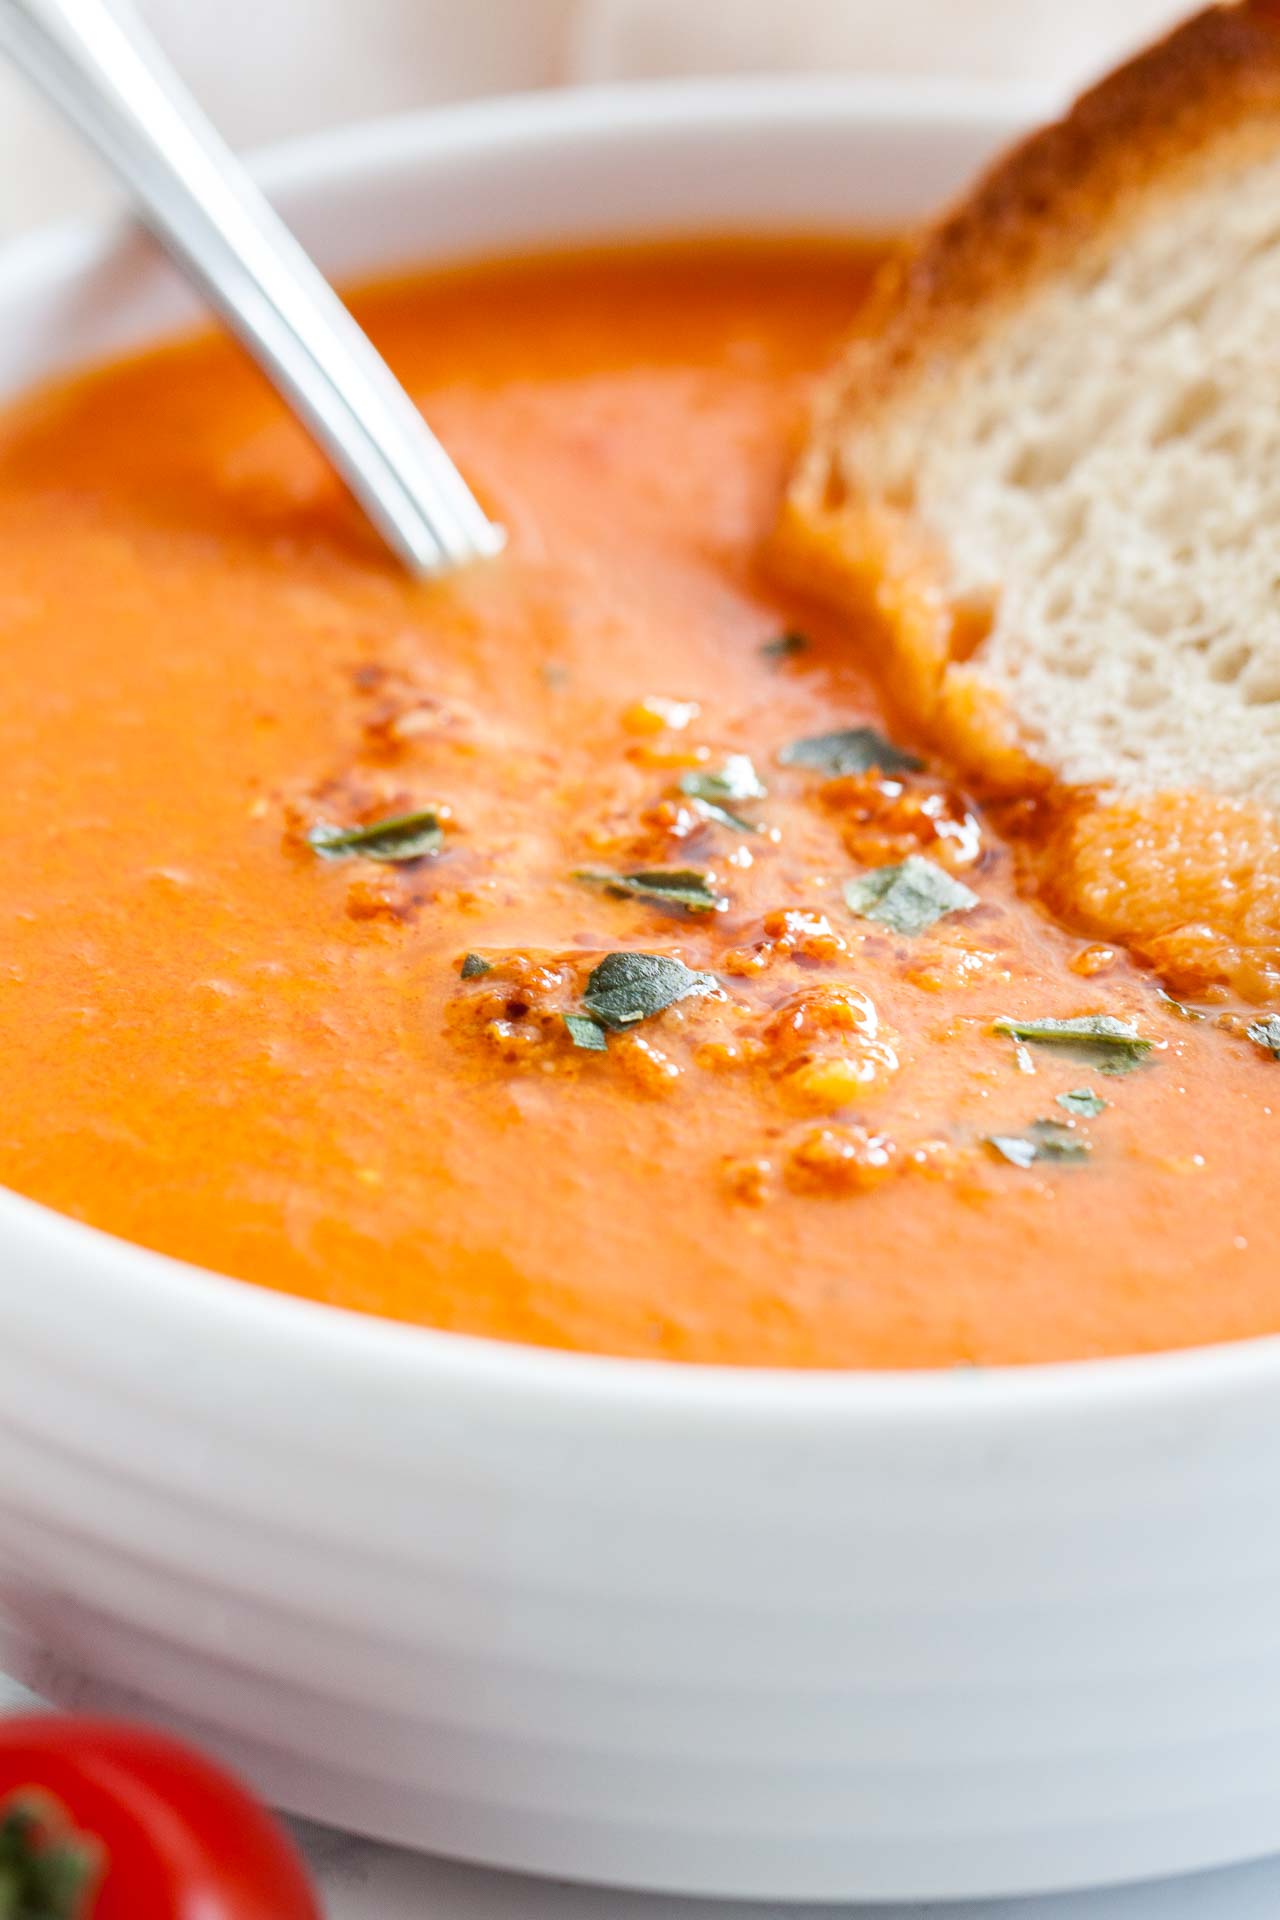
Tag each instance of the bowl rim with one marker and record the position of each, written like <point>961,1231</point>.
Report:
<point>362,148</point>
<point>162,1287</point>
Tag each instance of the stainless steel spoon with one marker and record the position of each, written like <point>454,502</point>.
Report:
<point>101,68</point>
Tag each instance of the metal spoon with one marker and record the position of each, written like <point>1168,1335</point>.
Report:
<point>101,68</point>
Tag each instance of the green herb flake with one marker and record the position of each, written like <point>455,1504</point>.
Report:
<point>586,1033</point>
<point>687,887</point>
<point>473,966</point>
<point>627,988</point>
<point>786,646</point>
<point>1043,1140</point>
<point>1105,1043</point>
<point>403,836</point>
<point>725,817</point>
<point>853,750</point>
<point>909,897</point>
<point>1179,1007</point>
<point>1083,1102</point>
<point>1266,1034</point>
<point>737,779</point>
<point>1013,1148</point>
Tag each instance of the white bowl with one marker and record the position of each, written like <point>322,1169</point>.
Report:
<point>791,1636</point>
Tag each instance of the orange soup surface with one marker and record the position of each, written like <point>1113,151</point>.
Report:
<point>682,1017</point>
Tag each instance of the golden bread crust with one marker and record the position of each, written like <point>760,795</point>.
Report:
<point>1189,113</point>
<point>1207,97</point>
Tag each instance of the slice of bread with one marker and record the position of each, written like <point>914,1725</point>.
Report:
<point>1051,463</point>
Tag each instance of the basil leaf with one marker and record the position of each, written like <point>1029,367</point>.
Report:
<point>586,1033</point>
<point>1043,1140</point>
<point>726,818</point>
<point>1083,1102</point>
<point>854,750</point>
<point>473,966</point>
<point>908,897</point>
<point>687,887</point>
<point>629,987</point>
<point>1013,1148</point>
<point>403,836</point>
<point>1266,1034</point>
<point>786,646</point>
<point>1110,1045</point>
<point>737,779</point>
<point>1180,1007</point>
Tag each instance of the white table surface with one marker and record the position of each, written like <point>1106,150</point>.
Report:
<point>362,1881</point>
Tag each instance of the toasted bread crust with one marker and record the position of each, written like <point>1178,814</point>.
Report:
<point>1205,98</point>
<point>980,295</point>
<point>1196,105</point>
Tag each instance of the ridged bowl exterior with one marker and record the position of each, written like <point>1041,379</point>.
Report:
<point>752,1634</point>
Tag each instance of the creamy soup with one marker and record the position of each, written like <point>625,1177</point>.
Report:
<point>576,951</point>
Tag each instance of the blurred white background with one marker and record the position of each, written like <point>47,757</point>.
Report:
<point>267,68</point>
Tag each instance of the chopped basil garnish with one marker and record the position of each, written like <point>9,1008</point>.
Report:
<point>629,987</point>
<point>1043,1140</point>
<point>908,897</point>
<point>1180,1007</point>
<point>586,1033</point>
<point>1266,1034</point>
<point>854,750</point>
<point>1110,1045</point>
<point>473,966</point>
<point>1083,1102</point>
<point>403,836</point>
<point>687,887</point>
<point>786,646</point>
<point>737,779</point>
<point>725,817</point>
<point>1013,1148</point>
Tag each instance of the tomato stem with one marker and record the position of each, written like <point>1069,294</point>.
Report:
<point>46,1867</point>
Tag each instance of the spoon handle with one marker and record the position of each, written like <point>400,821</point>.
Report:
<point>107,76</point>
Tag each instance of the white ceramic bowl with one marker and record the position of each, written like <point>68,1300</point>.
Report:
<point>735,1633</point>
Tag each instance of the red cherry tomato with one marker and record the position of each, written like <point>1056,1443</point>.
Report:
<point>165,1834</point>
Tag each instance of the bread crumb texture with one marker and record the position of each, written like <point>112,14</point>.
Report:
<point>1050,464</point>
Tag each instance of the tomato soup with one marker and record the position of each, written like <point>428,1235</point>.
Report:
<point>576,951</point>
